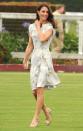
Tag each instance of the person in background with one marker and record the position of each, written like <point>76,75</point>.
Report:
<point>42,74</point>
<point>58,41</point>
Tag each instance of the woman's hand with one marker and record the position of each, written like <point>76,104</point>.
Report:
<point>26,64</point>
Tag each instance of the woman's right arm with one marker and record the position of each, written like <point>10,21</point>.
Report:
<point>28,52</point>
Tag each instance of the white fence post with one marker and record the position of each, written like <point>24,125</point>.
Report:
<point>80,34</point>
<point>67,26</point>
<point>0,24</point>
<point>80,44</point>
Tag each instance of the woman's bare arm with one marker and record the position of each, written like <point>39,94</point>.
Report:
<point>43,36</point>
<point>28,50</point>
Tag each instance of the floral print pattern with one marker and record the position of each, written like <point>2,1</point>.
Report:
<point>42,73</point>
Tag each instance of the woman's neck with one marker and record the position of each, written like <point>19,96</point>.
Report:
<point>43,22</point>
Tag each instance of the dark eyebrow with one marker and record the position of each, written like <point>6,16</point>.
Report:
<point>44,11</point>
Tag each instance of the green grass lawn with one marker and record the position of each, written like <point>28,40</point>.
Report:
<point>17,103</point>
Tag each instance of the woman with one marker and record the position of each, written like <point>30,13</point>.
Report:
<point>42,73</point>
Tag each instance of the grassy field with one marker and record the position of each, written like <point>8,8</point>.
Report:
<point>17,103</point>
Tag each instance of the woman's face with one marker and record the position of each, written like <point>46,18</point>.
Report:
<point>43,14</point>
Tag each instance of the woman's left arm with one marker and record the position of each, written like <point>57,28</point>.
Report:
<point>43,36</point>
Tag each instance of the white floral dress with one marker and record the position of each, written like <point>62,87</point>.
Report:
<point>42,73</point>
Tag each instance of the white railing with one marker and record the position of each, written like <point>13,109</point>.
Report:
<point>67,17</point>
<point>54,55</point>
<point>17,15</point>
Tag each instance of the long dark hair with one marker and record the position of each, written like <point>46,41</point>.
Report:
<point>50,15</point>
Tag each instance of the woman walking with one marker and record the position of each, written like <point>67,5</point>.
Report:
<point>42,74</point>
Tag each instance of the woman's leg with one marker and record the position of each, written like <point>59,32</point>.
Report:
<point>39,105</point>
<point>45,109</point>
<point>39,102</point>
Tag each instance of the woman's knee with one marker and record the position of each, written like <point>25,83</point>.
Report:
<point>40,91</point>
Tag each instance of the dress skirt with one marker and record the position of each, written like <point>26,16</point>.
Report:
<point>42,73</point>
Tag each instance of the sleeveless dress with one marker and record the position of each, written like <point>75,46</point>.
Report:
<point>42,73</point>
